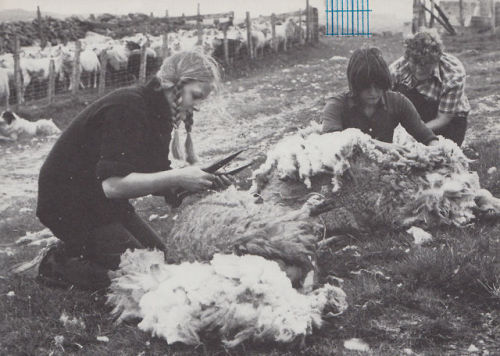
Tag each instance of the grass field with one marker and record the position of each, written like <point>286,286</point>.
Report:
<point>437,299</point>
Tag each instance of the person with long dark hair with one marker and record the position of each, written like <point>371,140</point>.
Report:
<point>370,105</point>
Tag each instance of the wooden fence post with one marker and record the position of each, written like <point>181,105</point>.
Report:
<point>226,46</point>
<point>102,74</point>
<point>431,21</point>
<point>416,13</point>
<point>249,35</point>
<point>461,11</point>
<point>43,42</point>
<point>301,37</point>
<point>142,67</point>
<point>315,25</point>
<point>52,81</point>
<point>76,69</point>
<point>421,16</point>
<point>308,22</point>
<point>274,44</point>
<point>164,45</point>
<point>17,74</point>
<point>198,27</point>
<point>493,15</point>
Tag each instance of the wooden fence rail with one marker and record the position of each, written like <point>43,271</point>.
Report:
<point>202,17</point>
<point>75,77</point>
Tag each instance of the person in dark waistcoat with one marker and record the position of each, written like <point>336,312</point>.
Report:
<point>116,149</point>
<point>434,81</point>
<point>370,105</point>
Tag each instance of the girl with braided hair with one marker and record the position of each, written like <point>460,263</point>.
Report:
<point>116,149</point>
<point>370,105</point>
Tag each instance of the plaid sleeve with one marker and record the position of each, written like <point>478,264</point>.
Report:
<point>396,69</point>
<point>450,99</point>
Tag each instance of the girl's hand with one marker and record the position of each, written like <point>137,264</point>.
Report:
<point>222,181</point>
<point>193,179</point>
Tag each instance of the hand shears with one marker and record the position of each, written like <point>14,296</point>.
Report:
<point>176,199</point>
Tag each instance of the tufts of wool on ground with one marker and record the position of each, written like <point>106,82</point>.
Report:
<point>231,298</point>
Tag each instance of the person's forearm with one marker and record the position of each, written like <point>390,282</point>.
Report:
<point>440,121</point>
<point>139,184</point>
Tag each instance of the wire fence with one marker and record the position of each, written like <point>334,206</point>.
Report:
<point>86,71</point>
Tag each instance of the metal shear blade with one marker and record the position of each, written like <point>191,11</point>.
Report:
<point>223,162</point>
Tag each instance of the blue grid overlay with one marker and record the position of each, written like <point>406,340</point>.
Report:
<point>348,17</point>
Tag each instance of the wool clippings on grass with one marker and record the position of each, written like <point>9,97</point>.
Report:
<point>71,322</point>
<point>43,237</point>
<point>420,236</point>
<point>7,251</point>
<point>472,348</point>
<point>356,344</point>
<point>338,58</point>
<point>58,340</point>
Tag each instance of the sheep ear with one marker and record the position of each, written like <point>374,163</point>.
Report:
<point>8,116</point>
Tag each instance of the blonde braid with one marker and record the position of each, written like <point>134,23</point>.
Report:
<point>190,154</point>
<point>176,147</point>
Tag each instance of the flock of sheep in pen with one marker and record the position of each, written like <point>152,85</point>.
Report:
<point>123,55</point>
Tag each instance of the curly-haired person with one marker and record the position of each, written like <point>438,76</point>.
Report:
<point>434,81</point>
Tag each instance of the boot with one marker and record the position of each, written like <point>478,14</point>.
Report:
<point>57,269</point>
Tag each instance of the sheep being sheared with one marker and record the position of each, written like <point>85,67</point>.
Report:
<point>231,222</point>
<point>237,286</point>
<point>378,185</point>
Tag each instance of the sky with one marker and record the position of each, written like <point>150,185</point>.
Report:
<point>177,7</point>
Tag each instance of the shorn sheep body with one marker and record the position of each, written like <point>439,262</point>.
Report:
<point>243,252</point>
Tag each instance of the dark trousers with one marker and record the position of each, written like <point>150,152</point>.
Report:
<point>428,110</point>
<point>87,255</point>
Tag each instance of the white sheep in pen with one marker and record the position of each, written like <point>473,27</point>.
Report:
<point>90,67</point>
<point>285,33</point>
